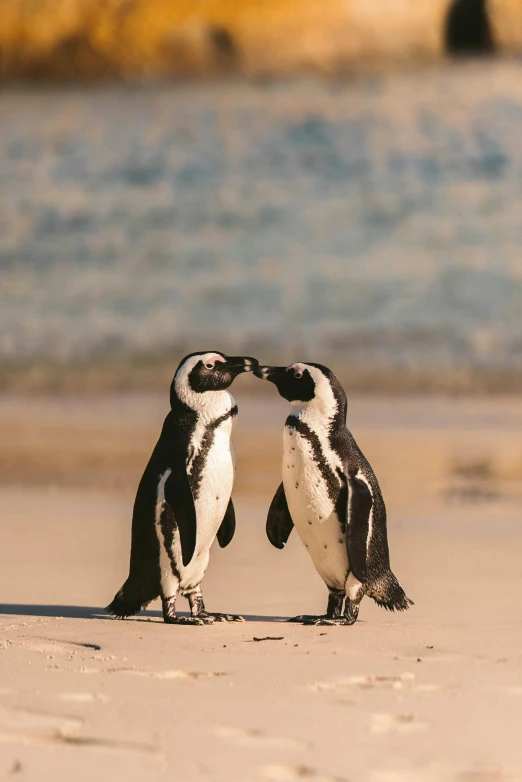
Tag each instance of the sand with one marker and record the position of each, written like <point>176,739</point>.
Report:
<point>431,694</point>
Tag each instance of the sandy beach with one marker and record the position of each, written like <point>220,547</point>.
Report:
<point>432,694</point>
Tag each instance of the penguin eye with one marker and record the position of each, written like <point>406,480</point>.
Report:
<point>298,375</point>
<point>209,366</point>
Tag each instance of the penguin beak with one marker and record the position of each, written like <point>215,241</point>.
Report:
<point>238,364</point>
<point>267,373</point>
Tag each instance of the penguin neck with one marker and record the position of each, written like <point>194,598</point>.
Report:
<point>208,405</point>
<point>319,414</point>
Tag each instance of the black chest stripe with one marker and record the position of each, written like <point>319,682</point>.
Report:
<point>168,526</point>
<point>198,464</point>
<point>329,476</point>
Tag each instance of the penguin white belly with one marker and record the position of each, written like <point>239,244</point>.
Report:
<point>313,512</point>
<point>215,489</point>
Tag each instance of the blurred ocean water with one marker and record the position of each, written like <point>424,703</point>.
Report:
<point>379,220</point>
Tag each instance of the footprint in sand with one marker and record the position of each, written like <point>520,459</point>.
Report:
<point>177,674</point>
<point>256,738</point>
<point>173,674</point>
<point>48,647</point>
<point>366,682</point>
<point>51,647</point>
<point>371,681</point>
<point>38,728</point>
<point>288,773</point>
<point>397,723</point>
<point>20,721</point>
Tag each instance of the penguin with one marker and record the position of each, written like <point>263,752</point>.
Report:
<point>331,495</point>
<point>183,500</point>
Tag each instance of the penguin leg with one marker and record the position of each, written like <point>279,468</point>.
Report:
<point>355,592</point>
<point>170,556</point>
<point>333,612</point>
<point>169,591</point>
<point>171,618</point>
<point>198,610</point>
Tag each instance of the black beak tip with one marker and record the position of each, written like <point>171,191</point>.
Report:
<point>262,372</point>
<point>250,364</point>
<point>239,364</point>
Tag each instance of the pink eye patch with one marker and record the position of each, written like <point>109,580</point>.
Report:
<point>212,359</point>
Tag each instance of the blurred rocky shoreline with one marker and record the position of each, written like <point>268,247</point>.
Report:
<point>144,40</point>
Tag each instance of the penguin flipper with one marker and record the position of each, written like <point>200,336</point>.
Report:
<point>358,507</point>
<point>226,531</point>
<point>178,495</point>
<point>279,523</point>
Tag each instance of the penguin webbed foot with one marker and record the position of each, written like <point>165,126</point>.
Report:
<point>306,619</point>
<point>188,620</point>
<point>170,617</point>
<point>213,617</point>
<point>349,617</point>
<point>198,610</point>
<point>323,621</point>
<point>351,612</point>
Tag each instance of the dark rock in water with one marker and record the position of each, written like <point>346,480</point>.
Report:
<point>468,28</point>
<point>222,41</point>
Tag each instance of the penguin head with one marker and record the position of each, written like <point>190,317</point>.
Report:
<point>210,371</point>
<point>294,383</point>
<point>305,385</point>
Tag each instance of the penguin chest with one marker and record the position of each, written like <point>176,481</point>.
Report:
<point>313,510</point>
<point>212,496</point>
<point>216,483</point>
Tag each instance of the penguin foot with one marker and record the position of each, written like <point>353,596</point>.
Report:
<point>351,612</point>
<point>348,618</point>
<point>306,619</point>
<point>220,617</point>
<point>188,620</point>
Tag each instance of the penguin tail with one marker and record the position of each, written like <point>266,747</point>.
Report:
<point>130,599</point>
<point>388,593</point>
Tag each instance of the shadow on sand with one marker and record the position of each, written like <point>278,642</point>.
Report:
<point>90,612</point>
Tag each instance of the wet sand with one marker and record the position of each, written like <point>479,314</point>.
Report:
<point>432,694</point>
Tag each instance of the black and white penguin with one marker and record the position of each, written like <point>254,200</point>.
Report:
<point>331,495</point>
<point>183,499</point>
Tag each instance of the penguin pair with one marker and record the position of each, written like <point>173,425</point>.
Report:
<point>329,492</point>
